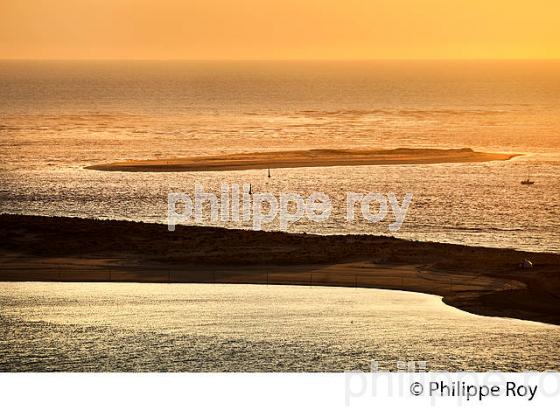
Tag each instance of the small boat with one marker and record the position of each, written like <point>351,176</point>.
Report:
<point>528,180</point>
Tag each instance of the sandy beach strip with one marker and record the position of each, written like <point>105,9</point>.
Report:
<point>304,158</point>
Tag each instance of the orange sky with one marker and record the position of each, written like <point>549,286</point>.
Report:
<point>279,29</point>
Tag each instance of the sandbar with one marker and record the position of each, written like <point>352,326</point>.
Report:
<point>304,158</point>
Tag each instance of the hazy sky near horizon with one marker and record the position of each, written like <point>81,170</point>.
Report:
<point>279,29</point>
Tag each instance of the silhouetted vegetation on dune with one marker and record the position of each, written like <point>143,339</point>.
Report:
<point>502,287</point>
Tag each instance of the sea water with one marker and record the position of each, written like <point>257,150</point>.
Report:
<point>58,117</point>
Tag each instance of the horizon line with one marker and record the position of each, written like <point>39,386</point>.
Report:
<point>280,59</point>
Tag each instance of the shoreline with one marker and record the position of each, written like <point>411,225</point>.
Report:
<point>304,159</point>
<point>484,281</point>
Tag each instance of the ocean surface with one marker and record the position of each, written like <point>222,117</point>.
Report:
<point>193,327</point>
<point>58,117</point>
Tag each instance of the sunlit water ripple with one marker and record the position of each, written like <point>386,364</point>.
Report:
<point>194,327</point>
<point>57,117</point>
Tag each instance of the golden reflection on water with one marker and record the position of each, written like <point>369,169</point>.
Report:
<point>58,117</point>
<point>145,327</point>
